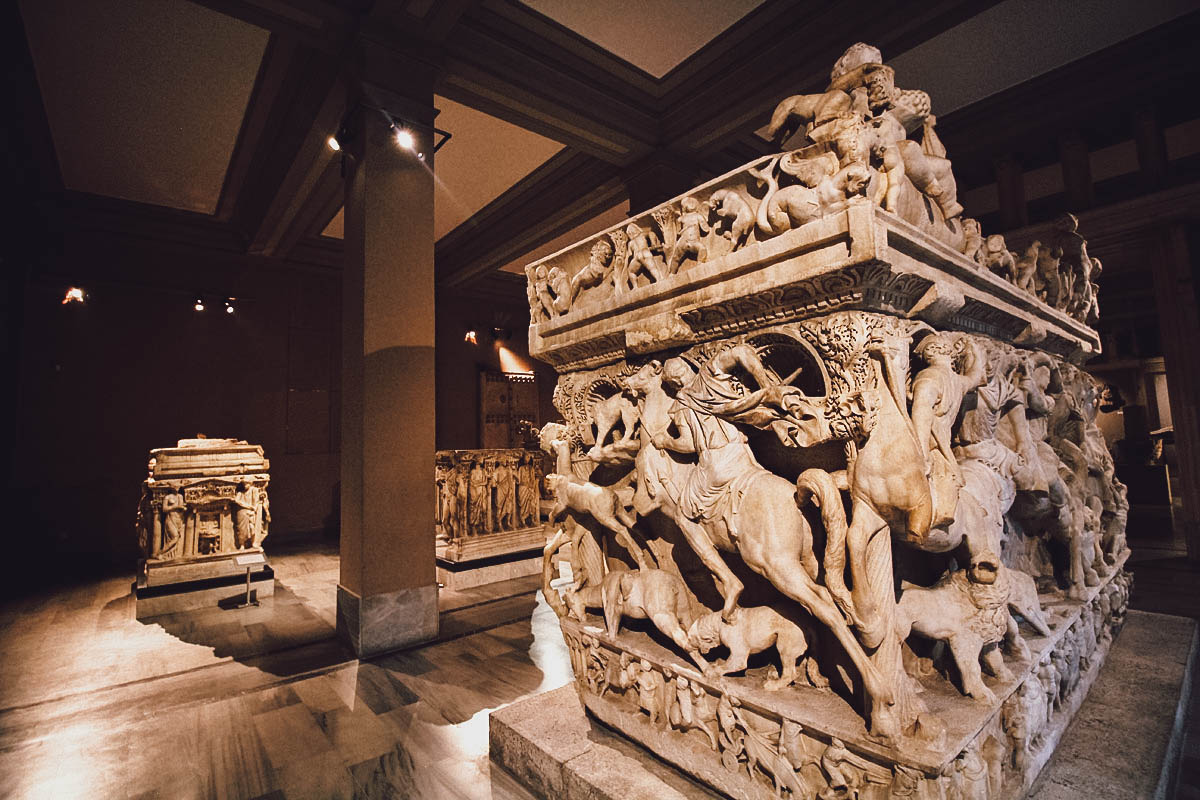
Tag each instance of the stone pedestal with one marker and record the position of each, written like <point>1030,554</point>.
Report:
<point>551,746</point>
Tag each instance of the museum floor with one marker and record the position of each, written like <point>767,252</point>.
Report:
<point>263,702</point>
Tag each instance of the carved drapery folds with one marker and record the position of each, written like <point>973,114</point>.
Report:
<point>858,463</point>
<point>482,492</point>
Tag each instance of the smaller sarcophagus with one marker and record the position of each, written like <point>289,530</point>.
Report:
<point>203,510</point>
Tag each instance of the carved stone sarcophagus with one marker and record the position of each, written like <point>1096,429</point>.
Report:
<point>202,519</point>
<point>842,522</point>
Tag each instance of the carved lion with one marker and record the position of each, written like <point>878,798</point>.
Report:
<point>968,610</point>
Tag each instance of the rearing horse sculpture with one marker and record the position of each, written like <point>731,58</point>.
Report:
<point>758,518</point>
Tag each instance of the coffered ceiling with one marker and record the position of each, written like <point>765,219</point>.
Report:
<point>145,98</point>
<point>219,110</point>
<point>655,37</point>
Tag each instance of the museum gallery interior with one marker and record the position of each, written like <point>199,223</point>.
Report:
<point>562,399</point>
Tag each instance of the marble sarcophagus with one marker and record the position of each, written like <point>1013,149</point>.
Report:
<point>842,522</point>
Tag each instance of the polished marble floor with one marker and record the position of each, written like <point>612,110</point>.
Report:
<point>261,702</point>
<point>264,703</point>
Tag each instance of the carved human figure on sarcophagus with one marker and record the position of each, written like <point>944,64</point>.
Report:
<point>528,491</point>
<point>504,485</point>
<point>642,260</point>
<point>173,509</point>
<point>479,514</point>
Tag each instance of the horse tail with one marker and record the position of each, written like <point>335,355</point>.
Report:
<point>819,486</point>
<point>766,176</point>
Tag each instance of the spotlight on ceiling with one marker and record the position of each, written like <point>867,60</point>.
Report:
<point>333,144</point>
<point>470,337</point>
<point>199,303</point>
<point>501,334</point>
<point>229,304</point>
<point>74,295</point>
<point>404,138</point>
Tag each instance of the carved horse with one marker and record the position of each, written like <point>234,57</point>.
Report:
<point>773,538</point>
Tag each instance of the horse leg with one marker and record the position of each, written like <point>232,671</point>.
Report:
<point>728,583</point>
<point>865,524</point>
<point>790,579</point>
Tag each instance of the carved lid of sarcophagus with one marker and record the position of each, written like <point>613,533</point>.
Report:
<point>861,214</point>
<point>207,458</point>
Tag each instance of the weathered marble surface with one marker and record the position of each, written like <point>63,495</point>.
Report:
<point>548,743</point>
<point>203,498</point>
<point>489,503</point>
<point>813,418</point>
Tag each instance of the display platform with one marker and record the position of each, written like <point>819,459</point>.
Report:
<point>1125,740</point>
<point>468,563</point>
<point>224,591</point>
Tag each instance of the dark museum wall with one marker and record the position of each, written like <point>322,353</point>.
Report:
<point>136,367</point>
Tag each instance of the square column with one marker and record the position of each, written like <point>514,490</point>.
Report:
<point>387,589</point>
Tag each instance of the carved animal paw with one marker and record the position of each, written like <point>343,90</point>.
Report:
<point>775,684</point>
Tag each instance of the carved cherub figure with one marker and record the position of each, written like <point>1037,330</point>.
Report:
<point>595,272</point>
<point>754,630</point>
<point>968,610</point>
<point>973,240</point>
<point>641,258</point>
<point>1049,281</point>
<point>1025,267</point>
<point>731,206</point>
<point>560,286</point>
<point>541,286</point>
<point>692,226</point>
<point>997,257</point>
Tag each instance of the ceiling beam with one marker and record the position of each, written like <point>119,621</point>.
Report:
<point>563,193</point>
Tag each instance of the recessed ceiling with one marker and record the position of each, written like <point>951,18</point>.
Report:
<point>483,159</point>
<point>654,36</point>
<point>145,98</point>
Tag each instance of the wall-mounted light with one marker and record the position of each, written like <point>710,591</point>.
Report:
<point>404,138</point>
<point>501,334</point>
<point>333,144</point>
<point>198,304</point>
<point>471,338</point>
<point>74,295</point>
<point>229,304</point>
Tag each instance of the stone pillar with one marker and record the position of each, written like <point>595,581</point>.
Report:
<point>1179,323</point>
<point>387,589</point>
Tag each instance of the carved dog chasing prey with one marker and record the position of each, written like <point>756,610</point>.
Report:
<point>754,630</point>
<point>968,610</point>
<point>653,594</point>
